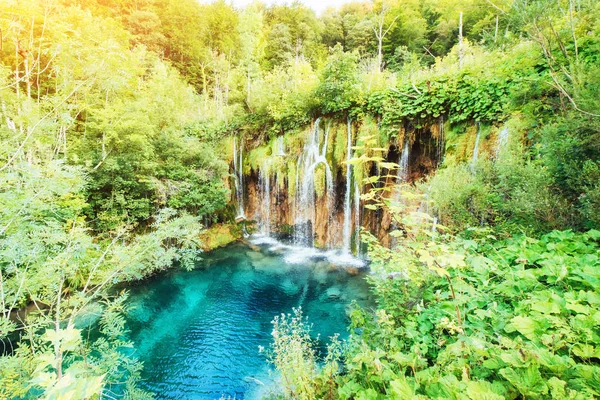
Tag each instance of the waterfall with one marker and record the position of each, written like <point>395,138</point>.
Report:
<point>402,176</point>
<point>347,232</point>
<point>476,148</point>
<point>280,146</point>
<point>238,177</point>
<point>403,162</point>
<point>313,155</point>
<point>357,217</point>
<point>502,140</point>
<point>264,182</point>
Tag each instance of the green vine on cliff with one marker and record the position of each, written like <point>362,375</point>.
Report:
<point>459,99</point>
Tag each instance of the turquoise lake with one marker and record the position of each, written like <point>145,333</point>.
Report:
<point>200,333</point>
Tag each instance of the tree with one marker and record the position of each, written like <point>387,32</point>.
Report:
<point>380,31</point>
<point>339,88</point>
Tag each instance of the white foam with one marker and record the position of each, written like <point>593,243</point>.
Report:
<point>263,239</point>
<point>300,255</point>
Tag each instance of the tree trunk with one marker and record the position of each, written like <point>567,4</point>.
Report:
<point>460,40</point>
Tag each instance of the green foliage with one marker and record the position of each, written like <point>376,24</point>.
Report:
<point>282,99</point>
<point>339,88</point>
<point>510,194</point>
<point>570,150</point>
<point>50,263</point>
<point>519,321</point>
<point>112,120</point>
<point>461,97</point>
<point>294,355</point>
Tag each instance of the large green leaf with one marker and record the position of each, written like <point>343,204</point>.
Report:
<point>526,326</point>
<point>401,389</point>
<point>528,381</point>
<point>482,390</point>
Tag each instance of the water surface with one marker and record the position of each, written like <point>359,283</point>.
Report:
<point>200,333</point>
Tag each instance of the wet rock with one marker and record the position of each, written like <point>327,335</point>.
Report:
<point>333,267</point>
<point>333,293</point>
<point>290,287</point>
<point>255,255</point>
<point>353,271</point>
<point>271,266</point>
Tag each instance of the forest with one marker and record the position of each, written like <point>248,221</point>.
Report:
<point>450,148</point>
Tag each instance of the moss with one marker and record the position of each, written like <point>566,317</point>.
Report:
<point>219,235</point>
<point>286,229</point>
<point>255,159</point>
<point>291,177</point>
<point>294,141</point>
<point>227,148</point>
<point>339,146</point>
<point>280,177</point>
<point>320,183</point>
<point>274,145</point>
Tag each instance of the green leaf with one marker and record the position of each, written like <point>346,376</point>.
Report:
<point>578,308</point>
<point>388,165</point>
<point>593,234</point>
<point>524,325</point>
<point>546,307</point>
<point>586,351</point>
<point>528,382</point>
<point>482,390</point>
<point>557,388</point>
<point>368,394</point>
<point>400,389</point>
<point>349,389</point>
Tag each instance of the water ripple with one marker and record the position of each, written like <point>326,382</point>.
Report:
<point>198,333</point>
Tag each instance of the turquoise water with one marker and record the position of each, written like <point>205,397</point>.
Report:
<point>200,333</point>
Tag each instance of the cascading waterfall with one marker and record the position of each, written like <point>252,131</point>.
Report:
<point>264,182</point>
<point>403,162</point>
<point>238,177</point>
<point>347,232</point>
<point>313,155</point>
<point>402,175</point>
<point>476,148</point>
<point>503,136</point>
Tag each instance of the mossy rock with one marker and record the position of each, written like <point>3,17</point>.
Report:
<point>218,236</point>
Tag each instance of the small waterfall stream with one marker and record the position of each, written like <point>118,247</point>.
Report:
<point>503,136</point>
<point>347,232</point>
<point>238,177</point>
<point>357,217</point>
<point>401,176</point>
<point>280,146</point>
<point>476,148</point>
<point>403,162</point>
<point>264,182</point>
<point>313,155</point>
